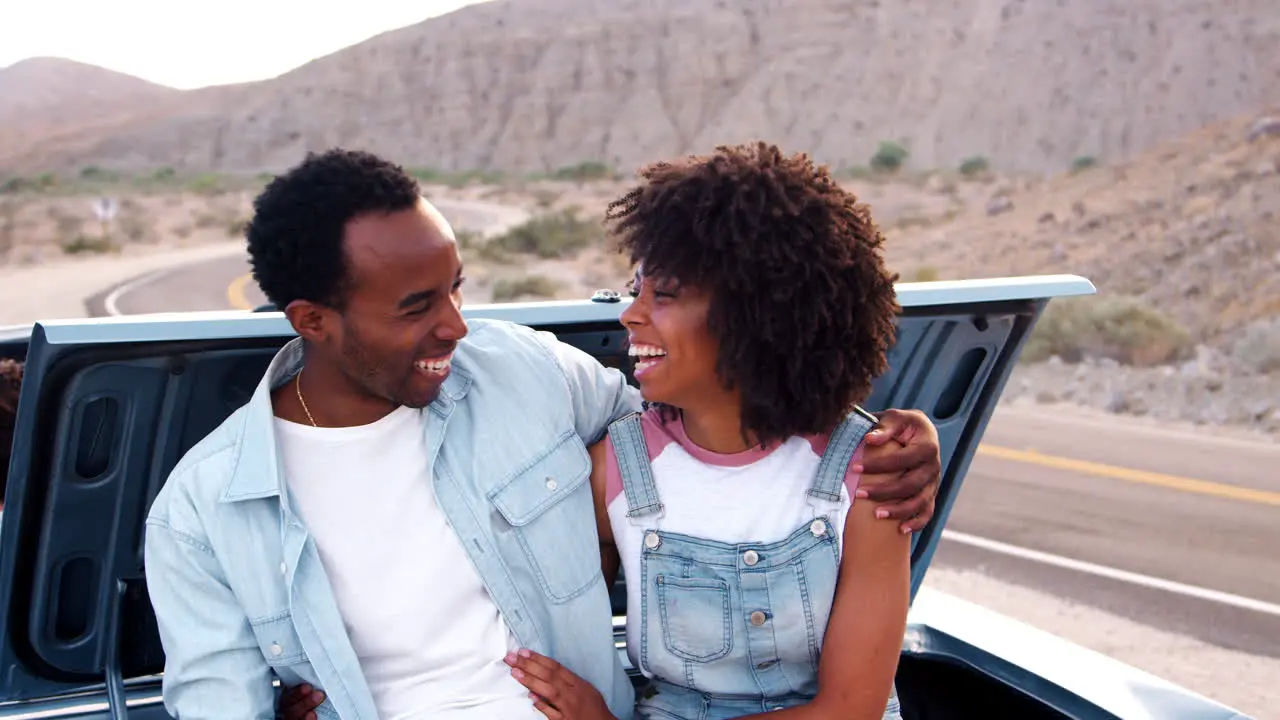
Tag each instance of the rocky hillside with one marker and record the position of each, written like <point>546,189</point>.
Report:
<point>540,84</point>
<point>1191,228</point>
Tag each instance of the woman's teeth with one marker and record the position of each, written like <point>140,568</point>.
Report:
<point>646,357</point>
<point>646,351</point>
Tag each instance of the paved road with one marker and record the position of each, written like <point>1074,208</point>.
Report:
<point>226,284</point>
<point>1190,509</point>
<point>1222,533</point>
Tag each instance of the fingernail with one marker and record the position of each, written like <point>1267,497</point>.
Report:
<point>319,696</point>
<point>510,659</point>
<point>861,493</point>
<point>906,531</point>
<point>858,469</point>
<point>517,673</point>
<point>524,652</point>
<point>882,514</point>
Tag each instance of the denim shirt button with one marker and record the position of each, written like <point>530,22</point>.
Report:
<point>750,557</point>
<point>284,569</point>
<point>551,484</point>
<point>276,649</point>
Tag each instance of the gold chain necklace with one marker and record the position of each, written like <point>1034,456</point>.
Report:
<point>297,385</point>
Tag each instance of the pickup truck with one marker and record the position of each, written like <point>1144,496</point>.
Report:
<point>109,405</point>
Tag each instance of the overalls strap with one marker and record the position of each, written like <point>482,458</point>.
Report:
<point>844,442</point>
<point>632,453</point>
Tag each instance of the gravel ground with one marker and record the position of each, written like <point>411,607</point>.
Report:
<point>1205,393</point>
<point>1245,682</point>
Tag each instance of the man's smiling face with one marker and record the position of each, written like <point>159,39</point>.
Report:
<point>401,317</point>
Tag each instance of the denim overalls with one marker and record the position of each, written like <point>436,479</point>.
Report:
<point>734,629</point>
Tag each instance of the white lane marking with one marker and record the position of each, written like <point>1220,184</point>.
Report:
<point>111,302</point>
<point>1125,576</point>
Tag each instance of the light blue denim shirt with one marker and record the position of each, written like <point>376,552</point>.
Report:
<point>237,584</point>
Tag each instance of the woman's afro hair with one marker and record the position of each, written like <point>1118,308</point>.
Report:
<point>802,305</point>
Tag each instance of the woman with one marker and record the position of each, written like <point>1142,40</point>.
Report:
<point>762,314</point>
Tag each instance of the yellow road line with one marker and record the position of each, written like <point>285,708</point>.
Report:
<point>1172,482</point>
<point>235,292</point>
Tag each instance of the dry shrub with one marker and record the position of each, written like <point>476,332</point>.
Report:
<point>1258,349</point>
<point>535,286</point>
<point>1125,329</point>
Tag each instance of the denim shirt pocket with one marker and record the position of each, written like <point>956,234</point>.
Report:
<point>548,505</point>
<point>278,640</point>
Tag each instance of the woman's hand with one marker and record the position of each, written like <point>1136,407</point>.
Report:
<point>557,693</point>
<point>299,702</point>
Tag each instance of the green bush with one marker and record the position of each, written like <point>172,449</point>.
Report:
<point>889,157</point>
<point>456,180</point>
<point>551,235</point>
<point>537,286</point>
<point>82,244</point>
<point>1125,329</point>
<point>583,172</point>
<point>1084,162</point>
<point>974,165</point>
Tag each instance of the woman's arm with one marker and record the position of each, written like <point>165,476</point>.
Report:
<point>609,559</point>
<point>868,618</point>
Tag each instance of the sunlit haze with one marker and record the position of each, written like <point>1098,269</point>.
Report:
<point>187,45</point>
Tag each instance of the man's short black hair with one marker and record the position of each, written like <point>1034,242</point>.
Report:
<point>802,305</point>
<point>295,236</point>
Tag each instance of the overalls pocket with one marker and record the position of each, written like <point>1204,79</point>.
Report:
<point>695,617</point>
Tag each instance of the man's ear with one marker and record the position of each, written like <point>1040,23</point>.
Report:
<point>309,320</point>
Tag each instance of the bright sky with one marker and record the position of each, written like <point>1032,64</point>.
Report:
<point>189,44</point>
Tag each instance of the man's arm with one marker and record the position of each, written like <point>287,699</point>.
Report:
<point>904,480</point>
<point>600,394</point>
<point>213,666</point>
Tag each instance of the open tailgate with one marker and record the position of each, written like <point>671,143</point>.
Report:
<point>109,405</point>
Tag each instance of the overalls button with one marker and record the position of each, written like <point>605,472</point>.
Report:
<point>750,557</point>
<point>757,618</point>
<point>651,540</point>
<point>818,528</point>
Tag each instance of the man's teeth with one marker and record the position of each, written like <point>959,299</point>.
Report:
<point>439,365</point>
<point>646,351</point>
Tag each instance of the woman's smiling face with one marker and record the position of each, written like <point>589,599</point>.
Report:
<point>674,350</point>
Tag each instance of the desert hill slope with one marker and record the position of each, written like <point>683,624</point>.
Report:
<point>534,85</point>
<point>1191,227</point>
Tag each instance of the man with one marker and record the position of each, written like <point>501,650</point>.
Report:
<point>10,388</point>
<point>405,498</point>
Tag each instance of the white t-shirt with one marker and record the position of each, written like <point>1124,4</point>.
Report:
<point>752,496</point>
<point>430,639</point>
